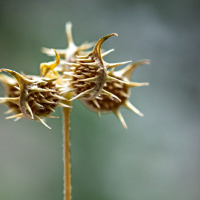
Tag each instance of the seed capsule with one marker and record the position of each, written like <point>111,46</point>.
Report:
<point>38,97</point>
<point>90,73</point>
<point>106,103</point>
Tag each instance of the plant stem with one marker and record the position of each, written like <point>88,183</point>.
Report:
<point>66,151</point>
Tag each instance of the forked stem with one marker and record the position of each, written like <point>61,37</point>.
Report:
<point>66,152</point>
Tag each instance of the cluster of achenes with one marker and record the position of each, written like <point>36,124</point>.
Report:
<point>79,74</point>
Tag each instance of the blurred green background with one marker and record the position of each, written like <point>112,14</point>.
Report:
<point>158,157</point>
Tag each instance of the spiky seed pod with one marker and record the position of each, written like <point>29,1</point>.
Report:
<point>107,104</point>
<point>38,97</point>
<point>69,54</point>
<point>12,90</point>
<point>90,73</point>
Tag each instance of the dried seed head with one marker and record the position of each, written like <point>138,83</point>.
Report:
<point>89,73</point>
<point>120,89</point>
<point>37,98</point>
<point>12,90</point>
<point>72,50</point>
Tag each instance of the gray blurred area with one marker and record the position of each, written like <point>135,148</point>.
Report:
<point>158,156</point>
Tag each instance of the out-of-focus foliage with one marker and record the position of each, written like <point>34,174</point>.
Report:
<point>158,156</point>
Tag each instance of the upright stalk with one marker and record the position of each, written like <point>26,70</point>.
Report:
<point>66,151</point>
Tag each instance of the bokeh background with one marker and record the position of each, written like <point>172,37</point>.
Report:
<point>158,156</point>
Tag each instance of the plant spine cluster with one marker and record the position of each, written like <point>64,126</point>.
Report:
<point>76,73</point>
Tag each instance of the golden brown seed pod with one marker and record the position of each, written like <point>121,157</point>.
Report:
<point>38,97</point>
<point>69,54</point>
<point>11,87</point>
<point>90,73</point>
<point>107,104</point>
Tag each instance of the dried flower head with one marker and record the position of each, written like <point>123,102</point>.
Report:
<point>33,97</point>
<point>107,104</point>
<point>69,54</point>
<point>90,73</point>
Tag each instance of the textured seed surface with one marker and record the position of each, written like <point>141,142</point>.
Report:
<point>41,108</point>
<point>83,72</point>
<point>107,103</point>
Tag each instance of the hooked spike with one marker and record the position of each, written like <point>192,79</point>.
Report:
<point>46,67</point>
<point>97,47</point>
<point>22,81</point>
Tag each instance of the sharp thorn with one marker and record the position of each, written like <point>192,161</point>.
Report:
<point>11,110</point>
<point>92,79</point>
<point>134,84</point>
<point>110,94</point>
<point>96,103</point>
<point>15,116</point>
<point>129,106</point>
<point>63,105</point>
<point>41,121</point>
<point>120,117</point>
<point>107,52</point>
<point>111,65</point>
<point>127,71</point>
<point>89,91</point>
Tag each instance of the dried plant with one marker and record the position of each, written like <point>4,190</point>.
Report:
<point>79,74</point>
